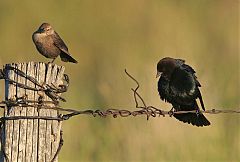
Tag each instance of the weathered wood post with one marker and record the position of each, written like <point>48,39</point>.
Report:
<point>31,140</point>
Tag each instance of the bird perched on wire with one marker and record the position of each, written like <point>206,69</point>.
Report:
<point>179,86</point>
<point>50,45</point>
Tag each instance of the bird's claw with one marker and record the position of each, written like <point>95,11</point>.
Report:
<point>197,112</point>
<point>171,112</point>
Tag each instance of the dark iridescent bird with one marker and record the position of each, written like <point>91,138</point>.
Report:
<point>50,45</point>
<point>179,86</point>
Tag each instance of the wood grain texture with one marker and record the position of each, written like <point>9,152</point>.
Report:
<point>31,140</point>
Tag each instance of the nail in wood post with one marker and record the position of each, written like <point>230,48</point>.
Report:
<point>31,140</point>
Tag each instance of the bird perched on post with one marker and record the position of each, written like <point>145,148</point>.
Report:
<point>50,45</point>
<point>179,86</point>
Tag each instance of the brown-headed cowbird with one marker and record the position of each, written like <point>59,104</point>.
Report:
<point>50,45</point>
<point>179,86</point>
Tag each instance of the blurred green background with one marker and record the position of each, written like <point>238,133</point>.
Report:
<point>108,36</point>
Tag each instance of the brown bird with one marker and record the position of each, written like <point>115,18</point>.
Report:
<point>179,86</point>
<point>50,45</point>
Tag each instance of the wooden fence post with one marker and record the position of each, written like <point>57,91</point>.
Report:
<point>31,140</point>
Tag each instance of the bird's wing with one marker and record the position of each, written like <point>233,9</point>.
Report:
<point>188,68</point>
<point>58,42</point>
<point>65,55</point>
<point>199,95</point>
<point>192,71</point>
<point>180,61</point>
<point>184,86</point>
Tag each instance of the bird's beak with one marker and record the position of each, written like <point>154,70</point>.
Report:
<point>158,74</point>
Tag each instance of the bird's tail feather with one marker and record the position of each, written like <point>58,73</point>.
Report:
<point>192,118</point>
<point>67,58</point>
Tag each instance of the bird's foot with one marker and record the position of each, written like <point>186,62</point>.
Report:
<point>53,60</point>
<point>171,112</point>
<point>197,112</point>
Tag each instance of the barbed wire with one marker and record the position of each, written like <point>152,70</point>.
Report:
<point>53,92</point>
<point>144,109</point>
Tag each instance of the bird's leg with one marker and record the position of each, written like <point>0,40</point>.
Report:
<point>197,111</point>
<point>172,109</point>
<point>50,62</point>
<point>171,112</point>
<point>53,60</point>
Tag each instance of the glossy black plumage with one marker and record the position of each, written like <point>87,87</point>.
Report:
<point>179,86</point>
